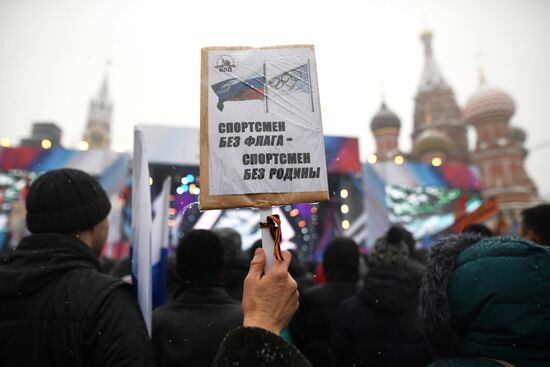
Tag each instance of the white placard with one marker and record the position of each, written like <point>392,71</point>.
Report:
<point>264,122</point>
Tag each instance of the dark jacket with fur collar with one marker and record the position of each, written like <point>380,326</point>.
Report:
<point>487,298</point>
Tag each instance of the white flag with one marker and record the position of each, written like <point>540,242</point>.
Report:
<point>141,228</point>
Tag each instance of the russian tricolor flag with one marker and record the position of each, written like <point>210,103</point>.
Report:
<point>239,90</point>
<point>149,238</point>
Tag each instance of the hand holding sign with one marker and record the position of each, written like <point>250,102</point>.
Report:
<point>269,301</point>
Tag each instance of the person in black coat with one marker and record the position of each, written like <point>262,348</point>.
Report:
<point>189,330</point>
<point>379,326</point>
<point>299,274</point>
<point>235,264</point>
<point>312,327</point>
<point>57,308</point>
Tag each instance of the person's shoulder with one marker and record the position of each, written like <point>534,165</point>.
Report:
<point>315,290</point>
<point>96,289</point>
<point>90,283</point>
<point>350,303</point>
<point>90,274</point>
<point>312,295</point>
<point>167,312</point>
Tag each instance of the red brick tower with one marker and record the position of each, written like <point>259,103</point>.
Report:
<point>499,150</point>
<point>98,129</point>
<point>436,108</point>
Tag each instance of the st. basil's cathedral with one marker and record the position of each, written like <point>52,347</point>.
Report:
<point>440,136</point>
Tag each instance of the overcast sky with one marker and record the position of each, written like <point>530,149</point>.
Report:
<point>53,55</point>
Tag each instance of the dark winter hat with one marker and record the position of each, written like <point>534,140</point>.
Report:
<point>537,219</point>
<point>405,235</point>
<point>65,201</point>
<point>391,249</point>
<point>231,240</point>
<point>341,259</point>
<point>199,256</point>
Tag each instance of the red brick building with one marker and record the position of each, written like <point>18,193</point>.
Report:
<point>499,150</point>
<point>440,136</point>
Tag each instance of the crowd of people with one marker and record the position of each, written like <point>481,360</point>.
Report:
<point>473,299</point>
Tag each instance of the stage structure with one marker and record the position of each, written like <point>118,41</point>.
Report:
<point>19,165</point>
<point>307,227</point>
<point>174,151</point>
<point>423,198</point>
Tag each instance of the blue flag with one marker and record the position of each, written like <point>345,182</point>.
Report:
<point>159,243</point>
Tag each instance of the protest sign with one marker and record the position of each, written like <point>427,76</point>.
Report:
<point>261,132</point>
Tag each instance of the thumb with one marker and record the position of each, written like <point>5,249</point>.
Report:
<point>257,264</point>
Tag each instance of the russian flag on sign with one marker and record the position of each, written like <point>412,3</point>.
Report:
<point>235,89</point>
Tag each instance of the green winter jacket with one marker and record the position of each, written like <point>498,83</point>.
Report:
<point>499,297</point>
<point>469,362</point>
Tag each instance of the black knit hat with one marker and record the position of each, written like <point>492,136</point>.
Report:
<point>341,259</point>
<point>65,201</point>
<point>199,256</point>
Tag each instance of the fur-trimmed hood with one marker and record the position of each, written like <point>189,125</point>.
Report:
<point>487,298</point>
<point>434,305</point>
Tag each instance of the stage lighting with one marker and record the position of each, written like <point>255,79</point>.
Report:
<point>5,142</point>
<point>83,145</point>
<point>436,161</point>
<point>46,143</point>
<point>399,159</point>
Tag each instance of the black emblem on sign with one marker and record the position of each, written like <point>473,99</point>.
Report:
<point>225,64</point>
